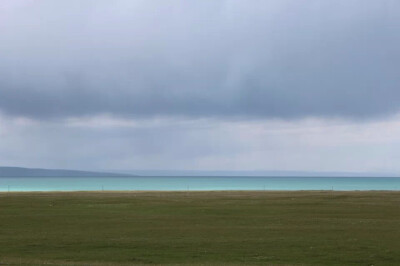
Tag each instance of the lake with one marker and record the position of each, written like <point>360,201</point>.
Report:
<point>197,183</point>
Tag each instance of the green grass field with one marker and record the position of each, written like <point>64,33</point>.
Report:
<point>200,228</point>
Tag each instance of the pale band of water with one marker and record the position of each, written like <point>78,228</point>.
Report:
<point>196,183</point>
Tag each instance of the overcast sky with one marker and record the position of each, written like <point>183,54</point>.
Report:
<point>201,85</point>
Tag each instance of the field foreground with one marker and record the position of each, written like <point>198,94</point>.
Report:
<point>200,228</point>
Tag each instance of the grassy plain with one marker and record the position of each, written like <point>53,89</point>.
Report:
<point>200,228</point>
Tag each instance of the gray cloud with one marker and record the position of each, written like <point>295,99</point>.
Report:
<point>106,143</point>
<point>261,59</point>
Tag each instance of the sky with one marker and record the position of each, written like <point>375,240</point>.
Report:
<point>288,85</point>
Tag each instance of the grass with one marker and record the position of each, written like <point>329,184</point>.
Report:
<point>200,228</point>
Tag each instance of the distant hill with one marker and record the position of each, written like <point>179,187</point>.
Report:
<point>255,173</point>
<point>36,172</point>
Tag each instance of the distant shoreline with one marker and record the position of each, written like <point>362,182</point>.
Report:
<point>199,191</point>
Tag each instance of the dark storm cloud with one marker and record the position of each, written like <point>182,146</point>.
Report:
<point>269,59</point>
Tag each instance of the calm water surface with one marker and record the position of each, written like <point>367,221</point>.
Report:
<point>197,183</point>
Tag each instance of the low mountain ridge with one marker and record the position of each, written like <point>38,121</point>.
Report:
<point>38,172</point>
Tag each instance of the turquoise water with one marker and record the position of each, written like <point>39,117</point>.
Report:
<point>196,183</point>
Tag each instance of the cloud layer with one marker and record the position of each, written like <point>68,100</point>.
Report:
<point>105,143</point>
<point>200,59</point>
<point>306,85</point>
